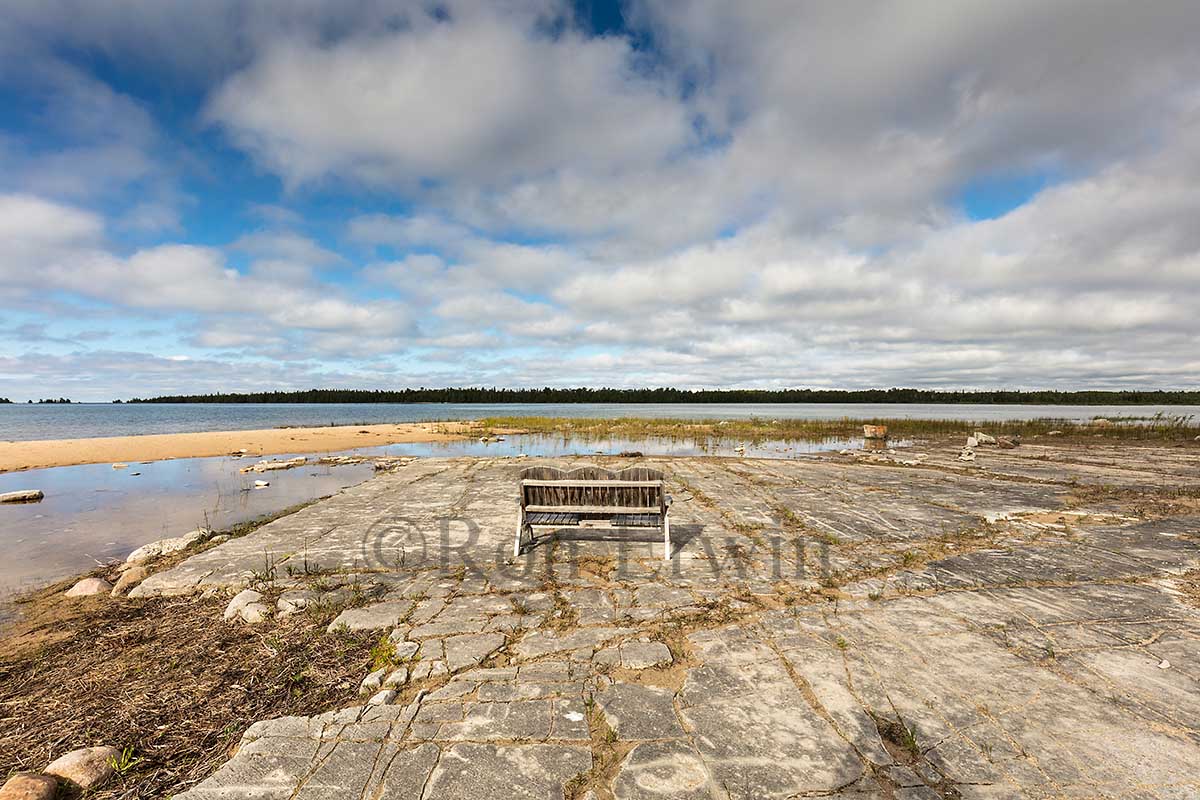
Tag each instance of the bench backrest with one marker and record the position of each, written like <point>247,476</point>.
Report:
<point>635,490</point>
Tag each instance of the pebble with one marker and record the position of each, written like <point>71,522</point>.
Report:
<point>88,587</point>
<point>87,767</point>
<point>29,786</point>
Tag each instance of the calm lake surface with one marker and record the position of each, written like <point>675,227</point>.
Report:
<point>23,422</point>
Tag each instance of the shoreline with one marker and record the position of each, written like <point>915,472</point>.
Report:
<point>19,456</point>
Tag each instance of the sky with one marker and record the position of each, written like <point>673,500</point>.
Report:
<point>198,197</point>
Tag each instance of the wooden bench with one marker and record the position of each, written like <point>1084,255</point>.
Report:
<point>590,497</point>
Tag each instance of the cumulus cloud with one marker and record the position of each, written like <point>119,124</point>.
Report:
<point>477,98</point>
<point>60,246</point>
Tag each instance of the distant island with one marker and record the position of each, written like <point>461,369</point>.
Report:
<point>4,400</point>
<point>665,395</point>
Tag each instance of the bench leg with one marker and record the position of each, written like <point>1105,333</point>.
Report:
<point>666,537</point>
<point>520,531</point>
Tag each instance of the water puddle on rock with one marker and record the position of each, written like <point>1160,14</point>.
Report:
<point>94,514</point>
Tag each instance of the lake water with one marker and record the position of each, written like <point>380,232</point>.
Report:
<point>23,422</point>
<point>94,514</point>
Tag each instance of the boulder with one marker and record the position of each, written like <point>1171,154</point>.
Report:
<point>129,578</point>
<point>967,454</point>
<point>88,587</point>
<point>240,601</point>
<point>972,441</point>
<point>875,431</point>
<point>22,496</point>
<point>1006,444</point>
<point>255,613</point>
<point>170,545</point>
<point>1101,422</point>
<point>382,697</point>
<point>29,786</point>
<point>1054,433</point>
<point>87,767</point>
<point>984,438</point>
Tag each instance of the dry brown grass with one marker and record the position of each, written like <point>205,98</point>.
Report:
<point>163,676</point>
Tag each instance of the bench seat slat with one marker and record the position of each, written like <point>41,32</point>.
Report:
<point>596,509</point>
<point>543,518</point>
<point>595,484</point>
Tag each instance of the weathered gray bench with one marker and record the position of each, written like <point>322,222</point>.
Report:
<point>589,497</point>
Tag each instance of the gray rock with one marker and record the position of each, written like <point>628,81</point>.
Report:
<point>640,712</point>
<point>658,770</point>
<point>406,650</point>
<point>294,601</point>
<point>130,577</point>
<point>373,682</point>
<point>644,655</point>
<point>427,669</point>
<point>464,652</point>
<point>88,587</point>
<point>530,772</point>
<point>87,767</point>
<point>407,772</point>
<point>240,601</point>
<point>397,677</point>
<point>167,546</point>
<point>29,786</point>
<point>22,496</point>
<point>372,617</point>
<point>541,642</point>
<point>255,613</point>
<point>984,438</point>
<point>382,697</point>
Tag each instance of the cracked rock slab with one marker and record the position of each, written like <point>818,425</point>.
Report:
<point>640,712</point>
<point>664,771</point>
<point>526,772</point>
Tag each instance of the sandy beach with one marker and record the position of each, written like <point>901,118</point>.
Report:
<point>15,456</point>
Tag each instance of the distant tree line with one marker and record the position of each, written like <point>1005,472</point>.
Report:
<point>4,400</point>
<point>665,395</point>
<point>52,401</point>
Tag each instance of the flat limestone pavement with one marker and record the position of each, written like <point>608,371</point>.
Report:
<point>1025,626</point>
